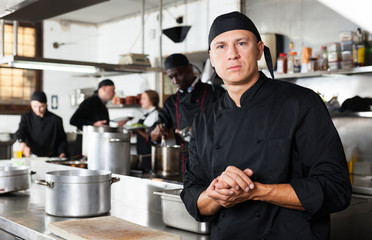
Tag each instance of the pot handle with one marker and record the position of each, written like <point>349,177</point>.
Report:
<point>117,140</point>
<point>45,183</point>
<point>78,131</point>
<point>32,173</point>
<point>114,180</point>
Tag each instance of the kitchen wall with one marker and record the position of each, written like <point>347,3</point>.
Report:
<point>306,23</point>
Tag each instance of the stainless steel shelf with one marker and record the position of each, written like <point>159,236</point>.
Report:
<point>359,70</point>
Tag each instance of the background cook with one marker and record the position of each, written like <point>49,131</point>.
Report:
<point>41,132</point>
<point>180,109</point>
<point>93,111</point>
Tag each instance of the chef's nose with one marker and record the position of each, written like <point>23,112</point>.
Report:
<point>232,52</point>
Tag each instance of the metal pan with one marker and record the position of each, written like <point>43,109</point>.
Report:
<point>14,178</point>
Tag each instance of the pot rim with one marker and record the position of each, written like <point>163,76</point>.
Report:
<point>168,146</point>
<point>6,171</point>
<point>78,176</point>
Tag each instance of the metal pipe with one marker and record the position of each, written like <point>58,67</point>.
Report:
<point>2,53</point>
<point>15,38</point>
<point>143,26</point>
<point>161,33</point>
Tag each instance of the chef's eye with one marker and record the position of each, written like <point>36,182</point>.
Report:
<point>220,46</point>
<point>242,43</point>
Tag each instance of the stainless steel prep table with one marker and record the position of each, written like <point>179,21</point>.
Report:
<point>23,214</point>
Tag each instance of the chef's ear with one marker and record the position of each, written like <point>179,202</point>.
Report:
<point>260,49</point>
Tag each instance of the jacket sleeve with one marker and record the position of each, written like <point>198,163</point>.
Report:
<point>164,117</point>
<point>22,131</point>
<point>81,116</point>
<point>196,178</point>
<point>325,186</point>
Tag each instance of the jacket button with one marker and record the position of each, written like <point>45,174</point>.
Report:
<point>217,147</point>
<point>259,141</point>
<point>258,214</point>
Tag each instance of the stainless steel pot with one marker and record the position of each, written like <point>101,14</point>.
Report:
<point>165,160</point>
<point>109,149</point>
<point>77,193</point>
<point>14,178</point>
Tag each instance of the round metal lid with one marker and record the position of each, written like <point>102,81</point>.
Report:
<point>78,176</point>
<point>13,170</point>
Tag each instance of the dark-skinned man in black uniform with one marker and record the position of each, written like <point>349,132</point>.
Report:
<point>265,161</point>
<point>180,109</point>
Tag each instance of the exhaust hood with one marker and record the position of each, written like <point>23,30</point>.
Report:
<point>38,10</point>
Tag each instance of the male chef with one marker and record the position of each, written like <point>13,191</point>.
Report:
<point>93,111</point>
<point>41,132</point>
<point>191,97</point>
<point>266,161</point>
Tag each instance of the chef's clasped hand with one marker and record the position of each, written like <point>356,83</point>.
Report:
<point>233,186</point>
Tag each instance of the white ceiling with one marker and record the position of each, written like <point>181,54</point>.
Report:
<point>113,9</point>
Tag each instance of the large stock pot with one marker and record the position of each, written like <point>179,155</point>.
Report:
<point>166,160</point>
<point>77,193</point>
<point>108,149</point>
<point>14,178</point>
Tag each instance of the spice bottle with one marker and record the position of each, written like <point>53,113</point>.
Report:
<point>281,65</point>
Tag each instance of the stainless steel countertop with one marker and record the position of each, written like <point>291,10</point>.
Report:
<point>23,213</point>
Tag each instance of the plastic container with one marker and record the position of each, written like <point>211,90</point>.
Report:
<point>281,65</point>
<point>17,149</point>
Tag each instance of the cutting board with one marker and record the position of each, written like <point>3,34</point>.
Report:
<point>106,228</point>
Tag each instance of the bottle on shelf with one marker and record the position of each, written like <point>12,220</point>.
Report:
<point>323,64</point>
<point>281,65</point>
<point>358,49</point>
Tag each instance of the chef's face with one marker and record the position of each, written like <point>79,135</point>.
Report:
<point>145,101</point>
<point>108,93</point>
<point>181,77</point>
<point>234,55</point>
<point>38,108</point>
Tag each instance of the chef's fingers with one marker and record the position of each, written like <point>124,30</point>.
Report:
<point>236,178</point>
<point>249,172</point>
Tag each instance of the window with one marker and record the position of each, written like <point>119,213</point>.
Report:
<point>17,85</point>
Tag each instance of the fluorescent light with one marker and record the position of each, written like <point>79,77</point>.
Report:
<point>53,66</point>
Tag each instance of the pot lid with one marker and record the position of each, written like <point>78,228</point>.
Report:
<point>12,171</point>
<point>78,176</point>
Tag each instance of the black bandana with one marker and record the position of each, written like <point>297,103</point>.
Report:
<point>176,60</point>
<point>39,96</point>
<point>237,21</point>
<point>105,82</point>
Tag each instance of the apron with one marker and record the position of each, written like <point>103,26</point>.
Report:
<point>184,155</point>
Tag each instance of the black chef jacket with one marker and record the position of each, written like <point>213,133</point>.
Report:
<point>45,136</point>
<point>180,109</point>
<point>283,132</point>
<point>90,111</point>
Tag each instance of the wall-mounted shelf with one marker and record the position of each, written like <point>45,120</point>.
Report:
<point>358,70</point>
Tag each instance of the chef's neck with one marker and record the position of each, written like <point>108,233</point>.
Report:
<point>236,91</point>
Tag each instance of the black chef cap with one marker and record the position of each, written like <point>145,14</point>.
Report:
<point>237,21</point>
<point>176,60</point>
<point>105,82</point>
<point>39,96</point>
